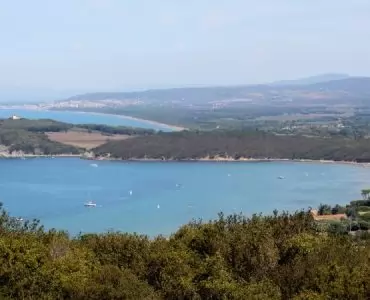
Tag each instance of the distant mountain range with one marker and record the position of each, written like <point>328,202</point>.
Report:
<point>311,80</point>
<point>327,88</point>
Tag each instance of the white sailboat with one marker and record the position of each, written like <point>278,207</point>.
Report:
<point>90,204</point>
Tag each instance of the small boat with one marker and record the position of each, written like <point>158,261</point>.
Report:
<point>130,192</point>
<point>281,177</point>
<point>94,165</point>
<point>158,206</point>
<point>90,204</point>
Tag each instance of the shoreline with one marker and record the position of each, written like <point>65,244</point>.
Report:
<point>200,160</point>
<point>24,156</point>
<point>229,160</point>
<point>172,127</point>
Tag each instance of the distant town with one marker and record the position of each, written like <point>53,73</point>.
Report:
<point>77,104</point>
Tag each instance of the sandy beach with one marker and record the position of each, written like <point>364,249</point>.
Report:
<point>172,127</point>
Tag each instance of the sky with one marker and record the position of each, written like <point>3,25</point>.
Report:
<point>52,49</point>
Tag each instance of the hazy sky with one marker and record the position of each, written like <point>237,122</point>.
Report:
<point>72,46</point>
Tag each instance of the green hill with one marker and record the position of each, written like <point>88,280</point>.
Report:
<point>27,136</point>
<point>30,136</point>
<point>237,144</point>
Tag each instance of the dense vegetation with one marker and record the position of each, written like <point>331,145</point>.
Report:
<point>116,129</point>
<point>33,143</point>
<point>358,212</point>
<point>237,144</point>
<point>283,256</point>
<point>41,125</point>
<point>48,125</point>
<point>232,116</point>
<point>29,136</point>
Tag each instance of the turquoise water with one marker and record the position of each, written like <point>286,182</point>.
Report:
<point>54,191</point>
<point>81,118</point>
<point>164,195</point>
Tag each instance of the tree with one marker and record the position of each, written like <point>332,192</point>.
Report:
<point>365,193</point>
<point>324,209</point>
<point>337,209</point>
<point>278,256</point>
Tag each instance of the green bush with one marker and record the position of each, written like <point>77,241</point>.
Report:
<point>360,203</point>
<point>337,227</point>
<point>365,217</point>
<point>363,208</point>
<point>337,209</point>
<point>281,256</point>
<point>364,225</point>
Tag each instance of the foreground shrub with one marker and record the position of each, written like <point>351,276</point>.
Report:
<point>282,256</point>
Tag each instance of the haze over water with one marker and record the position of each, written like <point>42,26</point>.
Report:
<point>166,195</point>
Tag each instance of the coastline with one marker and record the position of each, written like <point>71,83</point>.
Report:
<point>172,127</point>
<point>231,160</point>
<point>21,156</point>
<point>200,160</point>
<point>91,156</point>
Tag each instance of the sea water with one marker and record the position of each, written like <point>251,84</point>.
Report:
<point>157,197</point>
<point>82,118</point>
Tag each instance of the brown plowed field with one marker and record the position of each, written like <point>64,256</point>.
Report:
<point>83,139</point>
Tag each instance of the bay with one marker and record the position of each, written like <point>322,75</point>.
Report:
<point>166,195</point>
<point>83,118</point>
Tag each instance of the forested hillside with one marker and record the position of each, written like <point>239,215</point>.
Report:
<point>282,256</point>
<point>237,144</point>
<point>29,136</point>
<point>33,143</point>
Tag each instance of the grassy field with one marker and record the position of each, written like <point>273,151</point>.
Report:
<point>83,139</point>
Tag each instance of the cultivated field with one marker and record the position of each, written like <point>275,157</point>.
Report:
<point>83,139</point>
